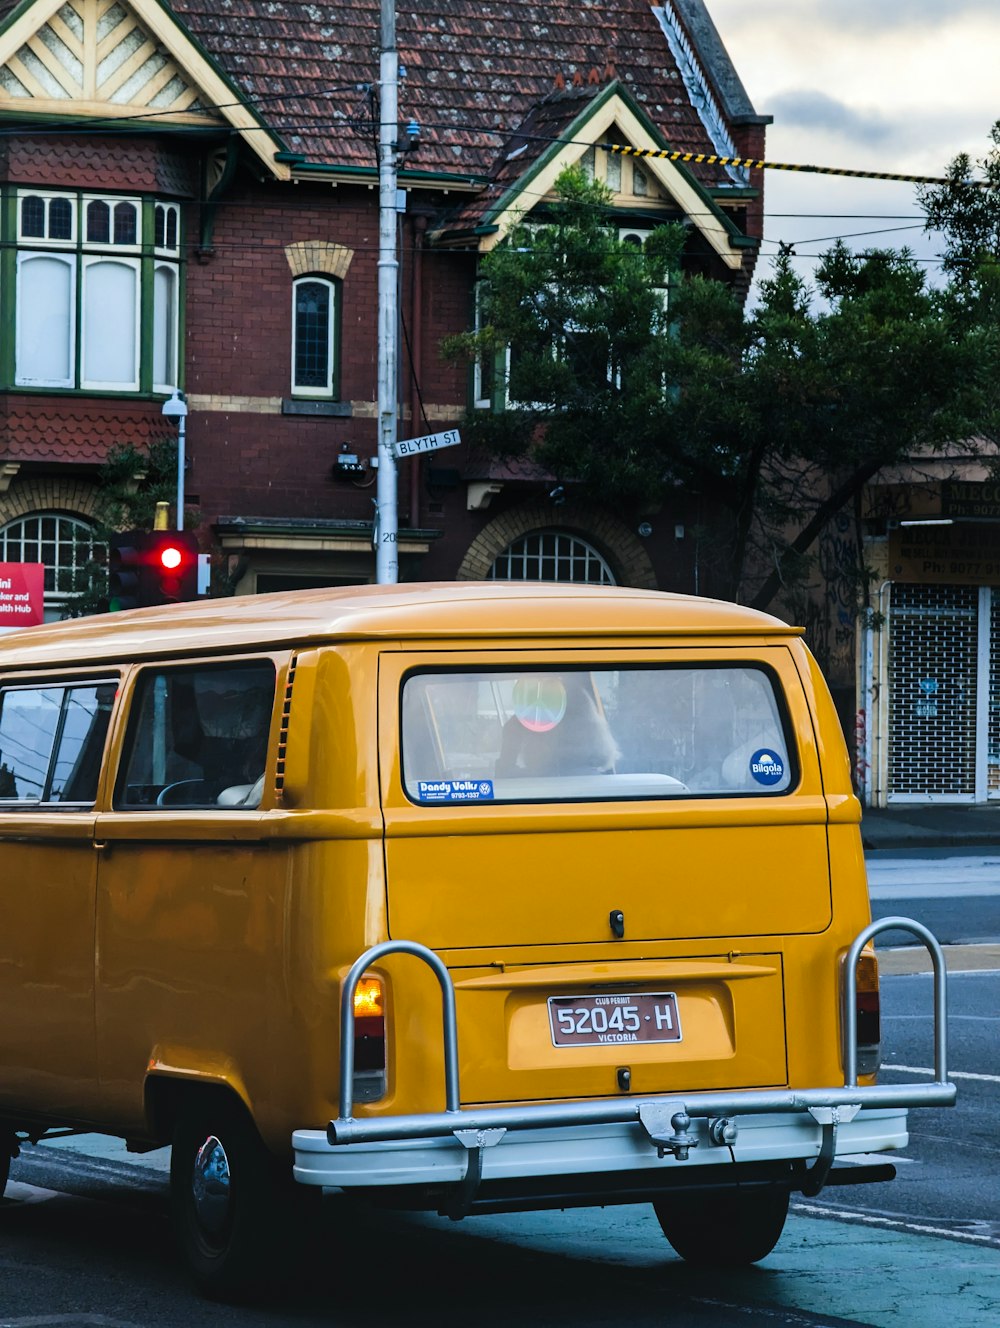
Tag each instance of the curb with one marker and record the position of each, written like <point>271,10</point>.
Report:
<point>904,961</point>
<point>928,839</point>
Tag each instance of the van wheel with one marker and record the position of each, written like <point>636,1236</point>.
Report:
<point>226,1197</point>
<point>724,1228</point>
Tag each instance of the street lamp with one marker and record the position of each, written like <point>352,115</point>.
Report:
<point>176,409</point>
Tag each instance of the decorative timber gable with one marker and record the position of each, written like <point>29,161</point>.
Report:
<point>576,127</point>
<point>112,60</point>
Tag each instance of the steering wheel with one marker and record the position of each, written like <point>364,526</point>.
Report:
<point>163,798</point>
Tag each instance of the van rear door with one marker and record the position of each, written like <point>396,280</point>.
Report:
<point>539,795</point>
<point>580,832</point>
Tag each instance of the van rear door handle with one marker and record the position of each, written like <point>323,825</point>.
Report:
<point>100,845</point>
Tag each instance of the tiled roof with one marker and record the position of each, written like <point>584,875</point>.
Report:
<point>474,70</point>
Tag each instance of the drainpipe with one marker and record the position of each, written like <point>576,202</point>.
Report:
<point>416,348</point>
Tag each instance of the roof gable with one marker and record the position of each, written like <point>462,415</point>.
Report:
<point>532,165</point>
<point>118,60</point>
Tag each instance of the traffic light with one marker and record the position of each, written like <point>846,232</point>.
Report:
<point>125,554</point>
<point>173,567</point>
<point>151,567</point>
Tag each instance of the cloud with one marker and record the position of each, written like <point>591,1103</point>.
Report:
<point>889,15</point>
<point>808,109</point>
<point>869,16</point>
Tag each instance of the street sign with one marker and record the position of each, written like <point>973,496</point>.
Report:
<point>429,443</point>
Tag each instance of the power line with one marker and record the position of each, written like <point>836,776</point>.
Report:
<point>760,164</point>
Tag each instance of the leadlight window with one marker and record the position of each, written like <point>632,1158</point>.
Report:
<point>46,217</point>
<point>313,336</point>
<point>166,227</point>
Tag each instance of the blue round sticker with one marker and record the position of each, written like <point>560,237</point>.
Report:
<point>767,767</point>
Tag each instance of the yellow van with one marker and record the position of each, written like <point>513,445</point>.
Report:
<point>464,897</point>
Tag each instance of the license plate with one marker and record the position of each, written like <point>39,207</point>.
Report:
<point>609,1019</point>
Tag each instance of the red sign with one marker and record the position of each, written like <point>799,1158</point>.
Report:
<point>22,590</point>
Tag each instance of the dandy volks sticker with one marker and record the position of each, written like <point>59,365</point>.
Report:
<point>455,790</point>
<point>767,767</point>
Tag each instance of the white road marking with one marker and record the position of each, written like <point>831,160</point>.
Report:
<point>919,1228</point>
<point>952,1074</point>
<point>18,1192</point>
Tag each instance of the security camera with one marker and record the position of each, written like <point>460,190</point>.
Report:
<point>557,495</point>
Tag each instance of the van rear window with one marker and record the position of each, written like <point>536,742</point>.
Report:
<point>626,733</point>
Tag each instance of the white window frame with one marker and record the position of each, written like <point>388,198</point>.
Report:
<point>24,257</point>
<point>90,261</point>
<point>550,541</point>
<point>325,392</point>
<point>43,241</point>
<point>166,250</point>
<point>109,245</point>
<point>173,329</point>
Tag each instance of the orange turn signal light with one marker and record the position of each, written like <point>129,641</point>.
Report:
<point>368,1001</point>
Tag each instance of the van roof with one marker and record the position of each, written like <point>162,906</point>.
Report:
<point>448,610</point>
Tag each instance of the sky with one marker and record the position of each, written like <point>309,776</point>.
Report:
<point>882,85</point>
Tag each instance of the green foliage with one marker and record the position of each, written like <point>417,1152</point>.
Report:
<point>640,383</point>
<point>966,209</point>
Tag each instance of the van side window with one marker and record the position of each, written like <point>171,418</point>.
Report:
<point>197,737</point>
<point>51,742</point>
<point>552,735</point>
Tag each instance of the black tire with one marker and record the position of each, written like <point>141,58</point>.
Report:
<point>724,1228</point>
<point>227,1197</point>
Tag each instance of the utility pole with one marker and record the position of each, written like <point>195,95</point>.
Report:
<point>387,503</point>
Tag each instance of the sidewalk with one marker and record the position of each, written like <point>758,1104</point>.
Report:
<point>916,827</point>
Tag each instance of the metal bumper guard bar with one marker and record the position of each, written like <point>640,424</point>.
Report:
<point>666,1119</point>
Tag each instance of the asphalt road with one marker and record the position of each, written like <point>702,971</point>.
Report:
<point>956,895</point>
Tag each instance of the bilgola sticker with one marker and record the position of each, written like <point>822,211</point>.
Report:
<point>767,767</point>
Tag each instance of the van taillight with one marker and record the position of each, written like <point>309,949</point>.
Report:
<point>369,1041</point>
<point>869,1028</point>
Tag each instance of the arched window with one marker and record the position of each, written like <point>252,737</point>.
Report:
<point>314,327</point>
<point>551,555</point>
<point>65,544</point>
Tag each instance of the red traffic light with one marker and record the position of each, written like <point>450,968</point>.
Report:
<point>174,569</point>
<point>152,567</point>
<point>171,557</point>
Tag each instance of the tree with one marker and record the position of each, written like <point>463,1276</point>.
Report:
<point>640,382</point>
<point>966,210</point>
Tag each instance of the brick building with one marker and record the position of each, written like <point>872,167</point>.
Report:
<point>190,200</point>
